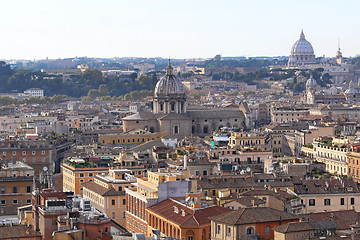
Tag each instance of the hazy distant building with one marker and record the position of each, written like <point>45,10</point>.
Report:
<point>34,92</point>
<point>302,53</point>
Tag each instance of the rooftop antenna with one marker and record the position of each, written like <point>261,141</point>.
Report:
<point>339,44</point>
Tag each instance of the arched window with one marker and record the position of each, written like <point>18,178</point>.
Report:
<point>176,129</point>
<point>250,231</point>
<point>161,107</point>
<point>267,230</point>
<point>172,107</point>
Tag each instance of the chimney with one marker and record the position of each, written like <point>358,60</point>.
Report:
<point>252,202</point>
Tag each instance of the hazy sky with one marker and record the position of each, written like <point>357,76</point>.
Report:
<point>34,29</point>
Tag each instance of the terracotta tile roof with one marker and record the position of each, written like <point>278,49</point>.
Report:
<point>193,217</point>
<point>17,232</point>
<point>248,201</point>
<point>239,182</point>
<point>326,186</point>
<point>101,190</point>
<point>293,227</point>
<point>344,219</point>
<point>281,195</point>
<point>253,215</point>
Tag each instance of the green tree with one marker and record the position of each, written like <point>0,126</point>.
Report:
<point>93,93</point>
<point>103,90</point>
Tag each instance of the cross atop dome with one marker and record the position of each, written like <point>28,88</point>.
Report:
<point>169,69</point>
<point>302,35</point>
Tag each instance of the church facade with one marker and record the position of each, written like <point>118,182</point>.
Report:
<point>171,113</point>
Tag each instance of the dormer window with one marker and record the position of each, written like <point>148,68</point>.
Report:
<point>176,209</point>
<point>182,213</point>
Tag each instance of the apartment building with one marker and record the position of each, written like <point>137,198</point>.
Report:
<point>107,193</point>
<point>333,155</point>
<point>182,220</point>
<point>287,114</point>
<point>16,182</point>
<point>157,187</point>
<point>78,171</point>
<point>320,195</point>
<point>130,138</point>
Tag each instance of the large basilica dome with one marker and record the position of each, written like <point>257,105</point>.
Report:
<point>169,84</point>
<point>302,53</point>
<point>169,95</point>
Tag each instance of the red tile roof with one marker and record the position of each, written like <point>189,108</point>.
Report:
<point>344,219</point>
<point>253,215</point>
<point>193,217</point>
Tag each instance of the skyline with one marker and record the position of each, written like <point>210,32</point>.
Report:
<point>201,29</point>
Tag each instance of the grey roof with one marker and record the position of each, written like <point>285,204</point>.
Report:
<point>147,145</point>
<point>215,113</point>
<point>140,116</point>
<point>320,225</point>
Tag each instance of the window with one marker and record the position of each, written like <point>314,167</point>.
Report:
<point>124,201</point>
<point>2,190</point>
<point>28,189</point>
<point>15,201</point>
<point>124,215</point>
<point>218,229</point>
<point>311,202</point>
<point>352,201</point>
<point>342,201</point>
<point>24,153</point>
<point>113,202</point>
<point>81,175</point>
<point>14,189</point>
<point>90,174</point>
<point>28,201</point>
<point>206,193</point>
<point>267,230</point>
<point>113,215</point>
<point>229,232</point>
<point>249,231</point>
<point>120,189</point>
<point>176,129</point>
<point>327,201</point>
<point>197,173</point>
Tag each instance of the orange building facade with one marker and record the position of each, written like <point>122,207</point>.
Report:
<point>176,219</point>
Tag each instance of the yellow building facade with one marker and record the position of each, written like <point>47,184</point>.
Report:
<point>132,137</point>
<point>74,177</point>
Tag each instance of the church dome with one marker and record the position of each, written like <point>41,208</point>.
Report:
<point>169,84</point>
<point>302,46</point>
<point>311,82</point>
<point>351,91</point>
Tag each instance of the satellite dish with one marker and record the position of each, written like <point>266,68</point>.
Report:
<point>45,168</point>
<point>248,169</point>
